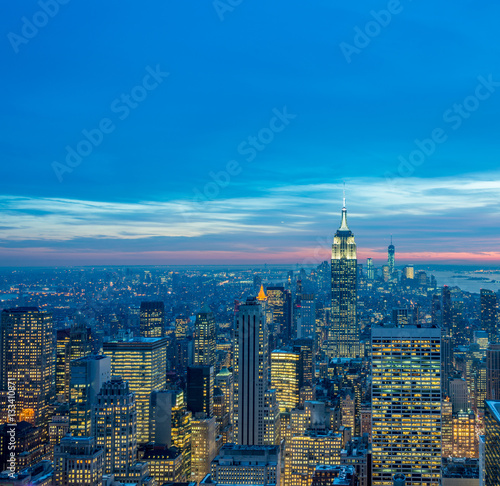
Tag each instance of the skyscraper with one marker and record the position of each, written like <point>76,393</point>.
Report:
<point>250,372</point>
<point>200,390</point>
<point>489,314</point>
<point>370,271</point>
<point>279,301</point>
<point>390,257</point>
<point>204,338</point>
<point>492,446</point>
<point>27,362</point>
<point>406,405</point>
<point>285,378</point>
<point>115,427</point>
<point>493,372</point>
<point>87,377</point>
<point>152,317</point>
<point>344,339</point>
<point>141,362</point>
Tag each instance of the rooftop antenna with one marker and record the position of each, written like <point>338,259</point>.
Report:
<point>344,195</point>
<point>391,239</point>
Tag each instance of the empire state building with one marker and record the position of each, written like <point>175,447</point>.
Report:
<point>344,337</point>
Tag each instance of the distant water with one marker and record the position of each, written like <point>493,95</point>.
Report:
<point>8,297</point>
<point>470,281</point>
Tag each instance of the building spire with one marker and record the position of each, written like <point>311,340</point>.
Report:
<point>343,205</point>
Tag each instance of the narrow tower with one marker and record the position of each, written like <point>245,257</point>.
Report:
<point>390,257</point>
<point>344,338</point>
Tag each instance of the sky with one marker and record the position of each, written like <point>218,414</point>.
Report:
<point>178,132</point>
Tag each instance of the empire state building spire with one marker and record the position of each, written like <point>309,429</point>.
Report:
<point>344,334</point>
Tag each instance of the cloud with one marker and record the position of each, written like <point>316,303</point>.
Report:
<point>439,216</point>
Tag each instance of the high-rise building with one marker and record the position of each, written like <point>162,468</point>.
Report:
<point>305,347</point>
<point>285,378</point>
<point>492,445</point>
<point>200,390</point>
<point>370,271</point>
<point>115,427</point>
<point>181,327</point>
<point>203,447</point>
<point>390,257</point>
<point>152,318</point>
<point>464,435</point>
<point>225,381</point>
<point>87,377</point>
<point>493,372</point>
<point>26,354</point>
<point>78,462</point>
<point>305,452</point>
<point>489,314</point>
<point>272,414</point>
<point>403,316</point>
<point>344,338</point>
<point>447,311</point>
<point>204,338</point>
<point>279,302</point>
<point>250,373</point>
<point>406,405</point>
<point>141,362</point>
<point>306,322</point>
<point>73,343</point>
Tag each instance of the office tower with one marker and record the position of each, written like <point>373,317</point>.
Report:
<point>348,409</point>
<point>306,323</point>
<point>78,462</point>
<point>365,419</point>
<point>224,381</point>
<point>305,347</point>
<point>29,446</point>
<point>279,301</point>
<point>305,452</point>
<point>402,316</point>
<point>436,314</point>
<point>489,314</point>
<point>71,344</point>
<point>251,465</point>
<point>152,318</point>
<point>181,327</point>
<point>257,282</point>
<point>482,457</point>
<point>493,372</point>
<point>459,394</point>
<point>115,427</point>
<point>58,428</point>
<point>285,378</point>
<point>63,371</point>
<point>181,433</point>
<point>27,363</point>
<point>492,443</point>
<point>464,435</point>
<point>345,332</point>
<point>446,362</point>
<point>200,390</point>
<point>141,362</point>
<point>447,311</point>
<point>272,429</point>
<point>406,405</point>
<point>370,271</point>
<point>203,448</point>
<point>204,338</point>
<point>385,273</point>
<point>479,384</point>
<point>446,428</point>
<point>250,373</point>
<point>390,257</point>
<point>409,272</point>
<point>87,377</point>
<point>481,338</point>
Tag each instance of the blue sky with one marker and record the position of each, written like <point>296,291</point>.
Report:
<point>146,194</point>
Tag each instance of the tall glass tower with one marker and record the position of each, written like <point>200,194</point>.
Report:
<point>344,338</point>
<point>390,257</point>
